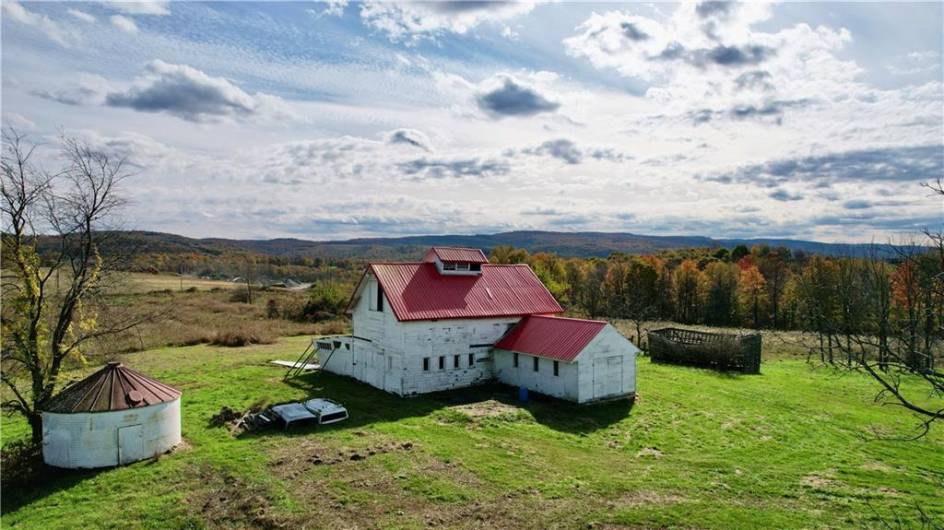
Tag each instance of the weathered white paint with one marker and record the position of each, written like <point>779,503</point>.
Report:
<point>389,354</point>
<point>102,439</point>
<point>604,369</point>
<point>563,385</point>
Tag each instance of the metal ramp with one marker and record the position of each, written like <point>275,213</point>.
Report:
<point>326,345</point>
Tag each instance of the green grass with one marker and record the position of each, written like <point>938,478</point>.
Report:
<point>794,447</point>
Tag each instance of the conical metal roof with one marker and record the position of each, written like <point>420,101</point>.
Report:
<point>114,387</point>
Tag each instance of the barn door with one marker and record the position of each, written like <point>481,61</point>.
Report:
<point>131,444</point>
<point>607,376</point>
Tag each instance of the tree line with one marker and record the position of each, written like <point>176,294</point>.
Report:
<point>895,298</point>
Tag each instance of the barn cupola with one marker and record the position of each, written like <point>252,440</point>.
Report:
<point>456,261</point>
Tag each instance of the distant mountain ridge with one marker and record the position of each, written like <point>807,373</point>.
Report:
<point>578,244</point>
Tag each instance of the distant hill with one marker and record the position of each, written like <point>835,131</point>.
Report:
<point>582,244</point>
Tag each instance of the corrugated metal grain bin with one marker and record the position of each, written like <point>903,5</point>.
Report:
<point>112,417</point>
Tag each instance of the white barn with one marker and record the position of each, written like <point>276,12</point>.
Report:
<point>433,325</point>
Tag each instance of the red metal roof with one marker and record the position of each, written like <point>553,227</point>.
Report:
<point>114,387</point>
<point>556,338</point>
<point>470,255</point>
<point>417,291</point>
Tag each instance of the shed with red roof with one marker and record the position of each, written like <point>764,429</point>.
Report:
<point>568,358</point>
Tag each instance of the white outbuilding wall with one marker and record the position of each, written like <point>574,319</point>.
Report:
<point>607,367</point>
<point>563,385</point>
<point>604,369</point>
<point>102,439</point>
<point>389,354</point>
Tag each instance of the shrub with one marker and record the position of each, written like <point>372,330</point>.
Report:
<point>192,289</point>
<point>335,327</point>
<point>241,337</point>
<point>324,301</point>
<point>272,308</point>
<point>239,295</point>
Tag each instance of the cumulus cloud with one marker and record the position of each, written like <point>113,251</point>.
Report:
<point>914,63</point>
<point>504,96</point>
<point>136,149</point>
<point>89,89</point>
<point>52,29</point>
<point>913,163</point>
<point>140,8</point>
<point>439,168</point>
<point>188,93</point>
<point>771,110</point>
<point>784,195</point>
<point>332,8</point>
<point>81,15</point>
<point>569,152</point>
<point>710,55</point>
<point>124,23</point>
<point>410,137</point>
<point>413,21</point>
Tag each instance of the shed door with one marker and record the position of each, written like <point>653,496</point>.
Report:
<point>607,376</point>
<point>131,444</point>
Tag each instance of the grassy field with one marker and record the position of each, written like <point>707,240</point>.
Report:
<point>794,447</point>
<point>139,282</point>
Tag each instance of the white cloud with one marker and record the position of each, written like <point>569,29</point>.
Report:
<point>916,63</point>
<point>18,121</point>
<point>412,21</point>
<point>191,94</point>
<point>709,55</point>
<point>124,23</point>
<point>81,15</point>
<point>88,89</point>
<point>43,23</point>
<point>140,7</point>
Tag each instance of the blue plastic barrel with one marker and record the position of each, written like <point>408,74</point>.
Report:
<point>522,394</point>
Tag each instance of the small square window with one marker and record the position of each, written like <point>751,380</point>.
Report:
<point>442,362</point>
<point>425,364</point>
<point>462,266</point>
<point>455,361</point>
<point>516,360</point>
<point>556,368</point>
<point>449,266</point>
<point>471,359</point>
<point>536,364</point>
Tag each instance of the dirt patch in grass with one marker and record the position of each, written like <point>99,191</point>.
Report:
<point>647,498</point>
<point>228,501</point>
<point>818,481</point>
<point>487,409</point>
<point>649,452</point>
<point>295,459</point>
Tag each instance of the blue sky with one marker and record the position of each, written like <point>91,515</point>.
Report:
<point>344,119</point>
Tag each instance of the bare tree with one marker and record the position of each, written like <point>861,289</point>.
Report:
<point>45,323</point>
<point>901,340</point>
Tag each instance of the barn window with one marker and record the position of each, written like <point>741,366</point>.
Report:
<point>380,298</point>
<point>475,267</point>
<point>455,361</point>
<point>425,364</point>
<point>556,368</point>
<point>516,360</point>
<point>442,362</point>
<point>449,266</point>
<point>471,359</point>
<point>462,266</point>
<point>536,364</point>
